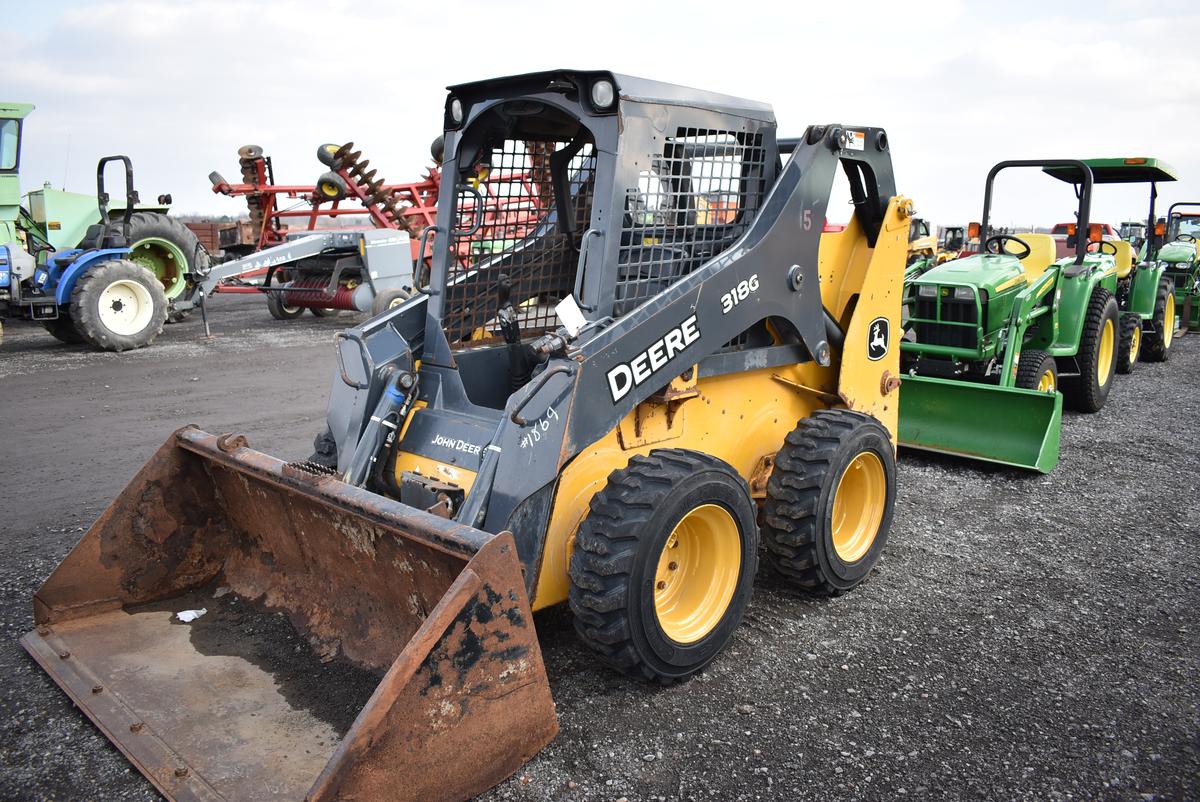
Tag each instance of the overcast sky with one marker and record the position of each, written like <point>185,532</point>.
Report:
<point>179,86</point>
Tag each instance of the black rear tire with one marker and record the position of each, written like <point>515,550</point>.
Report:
<point>1130,347</point>
<point>1088,391</point>
<point>99,327</point>
<point>147,225</point>
<point>319,311</point>
<point>63,328</point>
<point>798,515</point>
<point>617,568</point>
<point>1033,366</point>
<point>1157,343</point>
<point>279,309</point>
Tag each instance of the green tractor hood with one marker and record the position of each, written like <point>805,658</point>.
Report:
<point>982,271</point>
<point>1177,252</point>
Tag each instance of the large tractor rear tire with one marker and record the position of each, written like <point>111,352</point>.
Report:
<point>118,306</point>
<point>830,500</point>
<point>1158,342</point>
<point>1131,344</point>
<point>1097,356</point>
<point>168,249</point>
<point>63,328</point>
<point>1037,370</point>
<point>664,564</point>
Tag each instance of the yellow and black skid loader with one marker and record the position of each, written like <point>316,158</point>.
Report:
<point>648,347</point>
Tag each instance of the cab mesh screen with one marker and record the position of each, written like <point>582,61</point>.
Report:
<point>507,221</point>
<point>697,197</point>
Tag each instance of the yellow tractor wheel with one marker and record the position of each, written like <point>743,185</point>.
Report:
<point>664,564</point>
<point>830,500</point>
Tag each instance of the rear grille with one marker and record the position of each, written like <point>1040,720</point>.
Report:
<point>954,310</point>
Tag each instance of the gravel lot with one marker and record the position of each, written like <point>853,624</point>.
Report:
<point>1025,637</point>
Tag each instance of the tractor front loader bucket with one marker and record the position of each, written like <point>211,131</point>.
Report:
<point>1009,426</point>
<point>431,684</point>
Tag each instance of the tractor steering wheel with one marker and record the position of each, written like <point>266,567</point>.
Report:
<point>1100,247</point>
<point>1185,238</point>
<point>995,246</point>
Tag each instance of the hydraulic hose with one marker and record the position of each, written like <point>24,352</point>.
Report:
<point>384,424</point>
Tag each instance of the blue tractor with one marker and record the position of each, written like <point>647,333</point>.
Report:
<point>95,293</point>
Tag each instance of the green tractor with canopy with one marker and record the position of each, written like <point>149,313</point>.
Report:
<point>1177,256</point>
<point>1145,292</point>
<point>996,341</point>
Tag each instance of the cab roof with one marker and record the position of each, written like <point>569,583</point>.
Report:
<point>629,88</point>
<point>1119,170</point>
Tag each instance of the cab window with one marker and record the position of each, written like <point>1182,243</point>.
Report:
<point>9,137</point>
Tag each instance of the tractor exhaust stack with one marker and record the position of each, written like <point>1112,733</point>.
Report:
<point>434,611</point>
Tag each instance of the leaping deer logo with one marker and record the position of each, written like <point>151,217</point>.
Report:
<point>877,342</point>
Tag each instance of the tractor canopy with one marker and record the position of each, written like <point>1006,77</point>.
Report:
<point>1128,170</point>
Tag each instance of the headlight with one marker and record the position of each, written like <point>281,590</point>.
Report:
<point>456,112</point>
<point>964,293</point>
<point>927,291</point>
<point>602,94</point>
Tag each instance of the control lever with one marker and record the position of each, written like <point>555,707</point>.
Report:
<point>520,357</point>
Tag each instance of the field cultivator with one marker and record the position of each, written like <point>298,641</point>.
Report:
<point>281,256</point>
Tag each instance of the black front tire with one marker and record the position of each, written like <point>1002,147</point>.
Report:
<point>798,515</point>
<point>1033,366</point>
<point>96,325</point>
<point>1158,343</point>
<point>617,553</point>
<point>279,309</point>
<point>1131,344</point>
<point>1088,391</point>
<point>63,328</point>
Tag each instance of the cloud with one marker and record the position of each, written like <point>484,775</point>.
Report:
<point>959,85</point>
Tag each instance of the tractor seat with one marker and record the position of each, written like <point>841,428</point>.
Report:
<point>1125,258</point>
<point>1041,254</point>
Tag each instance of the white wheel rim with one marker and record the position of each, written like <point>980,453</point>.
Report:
<point>126,307</point>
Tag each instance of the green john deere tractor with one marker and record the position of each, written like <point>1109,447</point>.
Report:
<point>992,338</point>
<point>53,221</point>
<point>1145,292</point>
<point>1177,255</point>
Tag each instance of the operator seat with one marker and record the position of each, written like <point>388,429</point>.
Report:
<point>1041,254</point>
<point>1125,258</point>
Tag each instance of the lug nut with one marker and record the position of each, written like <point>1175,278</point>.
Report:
<point>136,726</point>
<point>673,565</point>
<point>181,772</point>
<point>661,585</point>
<point>97,688</point>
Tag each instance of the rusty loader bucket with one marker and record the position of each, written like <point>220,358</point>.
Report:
<point>1005,425</point>
<point>350,647</point>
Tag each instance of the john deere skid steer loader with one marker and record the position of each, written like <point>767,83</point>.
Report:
<point>598,413</point>
<point>991,335</point>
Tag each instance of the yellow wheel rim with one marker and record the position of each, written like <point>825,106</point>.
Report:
<point>858,502</point>
<point>697,573</point>
<point>1104,359</point>
<point>1135,345</point>
<point>1168,321</point>
<point>1047,383</point>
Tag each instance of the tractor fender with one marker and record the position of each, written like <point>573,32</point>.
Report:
<point>63,278</point>
<point>1145,289</point>
<point>1074,294</point>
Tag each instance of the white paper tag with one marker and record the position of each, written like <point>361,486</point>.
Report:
<point>570,315</point>
<point>191,615</point>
